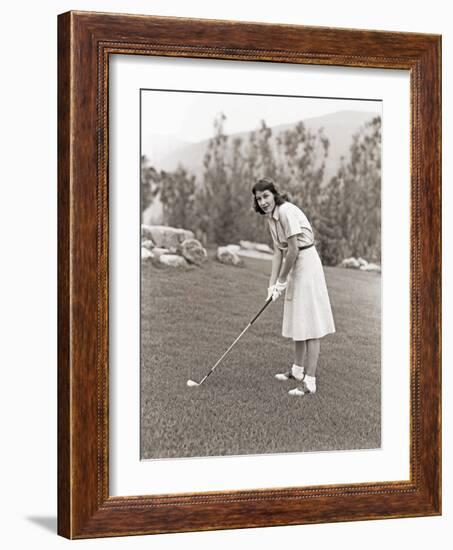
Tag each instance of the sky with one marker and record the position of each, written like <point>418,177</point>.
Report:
<point>188,116</point>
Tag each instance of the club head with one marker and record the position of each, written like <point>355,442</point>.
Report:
<point>192,384</point>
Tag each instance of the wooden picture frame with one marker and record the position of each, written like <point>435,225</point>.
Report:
<point>85,42</point>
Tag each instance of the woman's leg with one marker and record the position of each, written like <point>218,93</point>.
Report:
<point>297,369</point>
<point>300,349</point>
<point>311,362</point>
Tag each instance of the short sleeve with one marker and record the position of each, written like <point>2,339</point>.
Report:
<point>274,237</point>
<point>291,222</point>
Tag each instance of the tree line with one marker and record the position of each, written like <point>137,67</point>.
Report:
<point>345,211</point>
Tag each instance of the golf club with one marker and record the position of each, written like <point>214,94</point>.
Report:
<point>192,383</point>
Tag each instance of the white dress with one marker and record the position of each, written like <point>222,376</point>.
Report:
<point>307,313</point>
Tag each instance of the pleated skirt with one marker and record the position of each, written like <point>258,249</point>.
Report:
<point>307,312</point>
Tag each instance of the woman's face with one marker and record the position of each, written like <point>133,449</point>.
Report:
<point>265,200</point>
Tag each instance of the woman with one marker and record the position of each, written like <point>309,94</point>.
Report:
<point>296,268</point>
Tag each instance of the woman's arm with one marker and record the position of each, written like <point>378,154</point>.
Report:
<point>290,258</point>
<point>276,265</point>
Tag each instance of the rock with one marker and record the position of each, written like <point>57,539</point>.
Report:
<point>146,254</point>
<point>193,251</point>
<point>371,267</point>
<point>254,254</point>
<point>233,247</point>
<point>164,236</point>
<point>352,263</point>
<point>254,250</point>
<point>146,231</point>
<point>362,262</point>
<point>259,247</point>
<point>264,248</point>
<point>172,260</point>
<point>226,256</point>
<point>160,251</point>
<point>248,245</point>
<point>147,243</point>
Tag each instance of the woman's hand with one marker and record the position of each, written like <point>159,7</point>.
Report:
<point>270,291</point>
<point>279,287</point>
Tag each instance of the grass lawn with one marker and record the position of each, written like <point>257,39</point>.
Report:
<point>190,317</point>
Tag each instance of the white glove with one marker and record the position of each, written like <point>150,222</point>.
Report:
<point>279,287</point>
<point>270,291</point>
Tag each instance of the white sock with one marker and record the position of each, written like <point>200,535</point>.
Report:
<point>297,371</point>
<point>310,383</point>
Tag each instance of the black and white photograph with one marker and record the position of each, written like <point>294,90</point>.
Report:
<point>226,295</point>
<point>260,291</point>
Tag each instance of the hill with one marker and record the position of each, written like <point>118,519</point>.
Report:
<point>167,153</point>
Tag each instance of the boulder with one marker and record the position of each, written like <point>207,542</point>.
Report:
<point>146,254</point>
<point>164,236</point>
<point>147,243</point>
<point>264,248</point>
<point>146,231</point>
<point>233,247</point>
<point>227,256</point>
<point>253,250</point>
<point>371,267</point>
<point>157,251</point>
<point>248,245</point>
<point>172,260</point>
<point>254,254</point>
<point>193,251</point>
<point>362,262</point>
<point>351,263</point>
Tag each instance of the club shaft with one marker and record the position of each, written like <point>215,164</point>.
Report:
<point>226,353</point>
<point>268,301</point>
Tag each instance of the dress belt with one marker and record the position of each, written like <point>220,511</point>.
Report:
<point>307,246</point>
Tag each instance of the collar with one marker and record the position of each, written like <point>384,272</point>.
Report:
<point>276,213</point>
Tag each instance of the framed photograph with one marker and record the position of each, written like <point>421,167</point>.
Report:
<point>249,275</point>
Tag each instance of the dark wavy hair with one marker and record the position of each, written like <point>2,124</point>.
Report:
<point>267,184</point>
